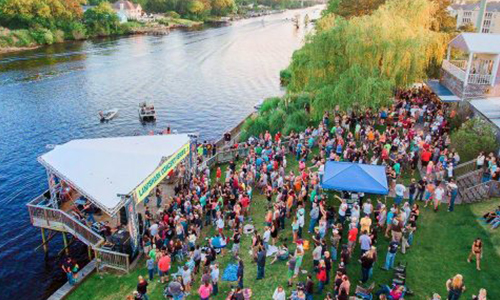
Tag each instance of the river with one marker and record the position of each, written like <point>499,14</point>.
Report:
<point>204,81</point>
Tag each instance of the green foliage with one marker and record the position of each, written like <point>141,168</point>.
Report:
<point>42,36</point>
<point>472,137</point>
<point>269,104</point>
<point>467,27</point>
<point>223,7</point>
<point>45,13</point>
<point>285,77</point>
<point>296,122</point>
<point>353,8</point>
<point>23,38</point>
<point>363,59</point>
<point>102,20</point>
<point>172,14</point>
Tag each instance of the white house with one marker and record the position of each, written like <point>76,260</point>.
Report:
<point>129,9</point>
<point>466,12</point>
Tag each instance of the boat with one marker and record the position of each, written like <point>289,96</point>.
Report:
<point>258,105</point>
<point>147,112</point>
<point>107,115</point>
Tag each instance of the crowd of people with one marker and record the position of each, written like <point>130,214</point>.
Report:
<point>412,135</point>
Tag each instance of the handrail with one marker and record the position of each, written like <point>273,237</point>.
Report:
<point>480,79</point>
<point>112,259</point>
<point>486,189</point>
<point>465,168</point>
<point>453,70</point>
<point>71,224</point>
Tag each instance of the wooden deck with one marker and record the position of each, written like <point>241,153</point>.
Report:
<point>66,289</point>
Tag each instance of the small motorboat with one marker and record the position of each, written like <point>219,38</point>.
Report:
<point>107,115</point>
<point>258,105</point>
<point>147,112</point>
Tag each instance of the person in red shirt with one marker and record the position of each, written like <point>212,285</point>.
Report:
<point>245,203</point>
<point>218,174</point>
<point>164,267</point>
<point>425,157</point>
<point>352,237</point>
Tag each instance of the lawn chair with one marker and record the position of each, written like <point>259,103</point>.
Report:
<point>364,293</point>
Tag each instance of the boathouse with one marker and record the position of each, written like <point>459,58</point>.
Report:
<point>97,189</point>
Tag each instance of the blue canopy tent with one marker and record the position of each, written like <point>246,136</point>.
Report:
<point>354,177</point>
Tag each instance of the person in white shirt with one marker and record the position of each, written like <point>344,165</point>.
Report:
<point>438,197</point>
<point>480,160</point>
<point>400,190</point>
<point>368,208</point>
<point>266,237</point>
<point>279,293</point>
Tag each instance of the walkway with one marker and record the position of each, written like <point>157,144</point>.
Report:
<point>64,291</point>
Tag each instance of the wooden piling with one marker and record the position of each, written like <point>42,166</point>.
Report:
<point>65,243</point>
<point>45,245</point>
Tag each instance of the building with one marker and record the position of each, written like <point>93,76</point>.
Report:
<point>471,12</point>
<point>128,9</point>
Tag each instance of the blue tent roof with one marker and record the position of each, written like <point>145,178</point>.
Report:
<point>354,177</point>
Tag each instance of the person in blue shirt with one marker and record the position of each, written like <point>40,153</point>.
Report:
<point>298,150</point>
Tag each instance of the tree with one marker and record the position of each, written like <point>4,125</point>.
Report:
<point>45,13</point>
<point>222,7</point>
<point>467,27</point>
<point>354,8</point>
<point>101,20</point>
<point>474,136</point>
<point>363,59</point>
<point>443,21</point>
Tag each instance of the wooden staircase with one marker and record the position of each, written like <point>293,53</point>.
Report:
<point>470,186</point>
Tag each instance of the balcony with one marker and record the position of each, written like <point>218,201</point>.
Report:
<point>458,69</point>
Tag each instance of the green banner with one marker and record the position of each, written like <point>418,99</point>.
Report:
<point>159,174</point>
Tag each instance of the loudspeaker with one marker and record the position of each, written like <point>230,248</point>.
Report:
<point>123,217</point>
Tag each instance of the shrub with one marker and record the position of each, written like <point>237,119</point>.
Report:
<point>276,120</point>
<point>285,77</point>
<point>24,38</point>
<point>296,122</point>
<point>172,14</point>
<point>42,36</point>
<point>58,36</point>
<point>269,104</point>
<point>474,136</point>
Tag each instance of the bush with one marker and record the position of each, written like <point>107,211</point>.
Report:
<point>172,14</point>
<point>76,31</point>
<point>58,36</point>
<point>285,77</point>
<point>42,36</point>
<point>23,37</point>
<point>269,104</point>
<point>276,120</point>
<point>296,122</point>
<point>474,136</point>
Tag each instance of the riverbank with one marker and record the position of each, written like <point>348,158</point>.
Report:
<point>23,39</point>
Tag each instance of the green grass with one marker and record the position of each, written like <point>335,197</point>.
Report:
<point>441,246</point>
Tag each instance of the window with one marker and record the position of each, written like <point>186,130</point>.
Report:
<point>466,20</point>
<point>467,14</point>
<point>485,30</point>
<point>487,23</point>
<point>488,15</point>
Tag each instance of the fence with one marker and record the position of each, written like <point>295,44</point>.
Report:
<point>465,168</point>
<point>112,259</point>
<point>481,191</point>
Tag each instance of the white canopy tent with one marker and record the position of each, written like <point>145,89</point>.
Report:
<point>105,169</point>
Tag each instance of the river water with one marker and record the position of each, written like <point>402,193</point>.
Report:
<point>204,80</point>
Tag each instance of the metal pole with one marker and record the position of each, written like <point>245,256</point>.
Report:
<point>45,247</point>
<point>65,243</point>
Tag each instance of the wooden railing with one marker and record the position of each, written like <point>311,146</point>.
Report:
<point>481,191</point>
<point>112,259</point>
<point>73,226</point>
<point>55,219</point>
<point>462,64</point>
<point>464,168</point>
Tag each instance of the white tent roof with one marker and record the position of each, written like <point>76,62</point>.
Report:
<point>477,42</point>
<point>103,168</point>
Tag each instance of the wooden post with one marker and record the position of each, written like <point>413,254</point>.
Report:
<point>45,247</point>
<point>65,243</point>
<point>89,248</point>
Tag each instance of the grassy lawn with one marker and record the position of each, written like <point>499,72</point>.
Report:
<point>441,246</point>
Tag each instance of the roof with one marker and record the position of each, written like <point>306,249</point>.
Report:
<point>477,42</point>
<point>491,6</point>
<point>354,177</point>
<point>127,5</point>
<point>489,107</point>
<point>442,92</point>
<point>102,169</point>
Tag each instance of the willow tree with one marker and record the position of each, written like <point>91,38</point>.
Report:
<point>361,60</point>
